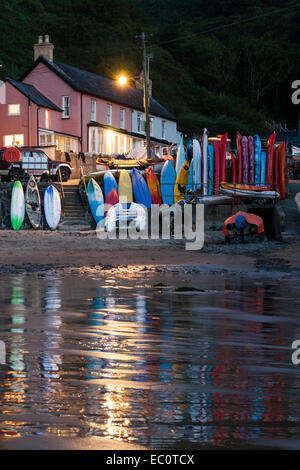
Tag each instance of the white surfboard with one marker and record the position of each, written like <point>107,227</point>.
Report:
<point>196,165</point>
<point>52,207</point>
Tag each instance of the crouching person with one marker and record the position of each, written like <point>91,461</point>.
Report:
<point>243,227</point>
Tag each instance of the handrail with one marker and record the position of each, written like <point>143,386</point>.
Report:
<point>81,173</point>
<point>62,191</point>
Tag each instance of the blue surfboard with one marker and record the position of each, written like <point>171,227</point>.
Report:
<point>181,158</point>
<point>96,201</point>
<point>211,169</point>
<point>263,168</point>
<point>167,183</point>
<point>140,189</point>
<point>110,183</point>
<point>257,159</point>
<point>189,185</point>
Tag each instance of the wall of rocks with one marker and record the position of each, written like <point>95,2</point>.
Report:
<point>5,200</point>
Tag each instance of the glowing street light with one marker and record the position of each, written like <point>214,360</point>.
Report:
<point>122,80</point>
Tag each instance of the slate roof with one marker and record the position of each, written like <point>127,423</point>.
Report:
<point>33,94</point>
<point>101,87</point>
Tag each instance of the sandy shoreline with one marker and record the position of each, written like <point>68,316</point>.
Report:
<point>30,251</point>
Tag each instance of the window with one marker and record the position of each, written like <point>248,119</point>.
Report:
<point>122,118</point>
<point>93,110</point>
<point>16,139</point>
<point>13,109</point>
<point>163,129</point>
<point>66,107</point>
<point>139,122</point>
<point>151,125</point>
<point>65,144</point>
<point>47,118</point>
<point>109,114</point>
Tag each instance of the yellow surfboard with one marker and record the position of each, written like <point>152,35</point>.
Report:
<point>181,182</point>
<point>125,187</point>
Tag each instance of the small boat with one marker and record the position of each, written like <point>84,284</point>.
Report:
<point>245,187</point>
<point>247,194</point>
<point>123,213</point>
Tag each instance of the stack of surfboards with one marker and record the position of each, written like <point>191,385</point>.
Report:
<point>31,201</point>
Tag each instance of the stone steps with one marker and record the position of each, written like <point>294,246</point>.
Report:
<point>75,213</point>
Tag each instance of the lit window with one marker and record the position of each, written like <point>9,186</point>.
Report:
<point>66,107</point>
<point>122,118</point>
<point>109,114</point>
<point>17,139</point>
<point>93,110</point>
<point>13,109</point>
<point>163,129</point>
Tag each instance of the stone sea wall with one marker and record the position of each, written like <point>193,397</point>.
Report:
<point>5,200</point>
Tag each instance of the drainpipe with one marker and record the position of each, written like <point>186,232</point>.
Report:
<point>29,123</point>
<point>37,127</point>
<point>81,122</point>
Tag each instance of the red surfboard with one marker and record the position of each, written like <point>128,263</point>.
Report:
<point>223,156</point>
<point>239,154</point>
<point>153,185</point>
<point>251,159</point>
<point>276,167</point>
<point>217,167</point>
<point>281,158</point>
<point>233,167</point>
<point>245,151</point>
<point>270,159</point>
<point>111,200</point>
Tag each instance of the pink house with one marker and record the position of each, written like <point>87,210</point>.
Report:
<point>78,110</point>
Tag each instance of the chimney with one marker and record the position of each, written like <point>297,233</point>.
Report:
<point>43,47</point>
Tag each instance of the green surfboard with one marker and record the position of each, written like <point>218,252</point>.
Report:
<point>17,206</point>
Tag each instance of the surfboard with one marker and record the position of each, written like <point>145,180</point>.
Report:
<point>52,206</point>
<point>17,206</point>
<point>180,158</point>
<point>233,167</point>
<point>263,162</point>
<point>109,182</point>
<point>140,189</point>
<point>251,159</point>
<point>211,169</point>
<point>125,187</point>
<point>205,161</point>
<point>223,146</point>
<point>111,200</point>
<point>245,153</point>
<point>257,159</point>
<point>217,166</point>
<point>270,159</point>
<point>189,186</point>
<point>196,174</point>
<point>167,182</point>
<point>96,201</point>
<point>153,185</point>
<point>181,182</point>
<point>239,155</point>
<point>276,167</point>
<point>282,163</point>
<point>33,203</point>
